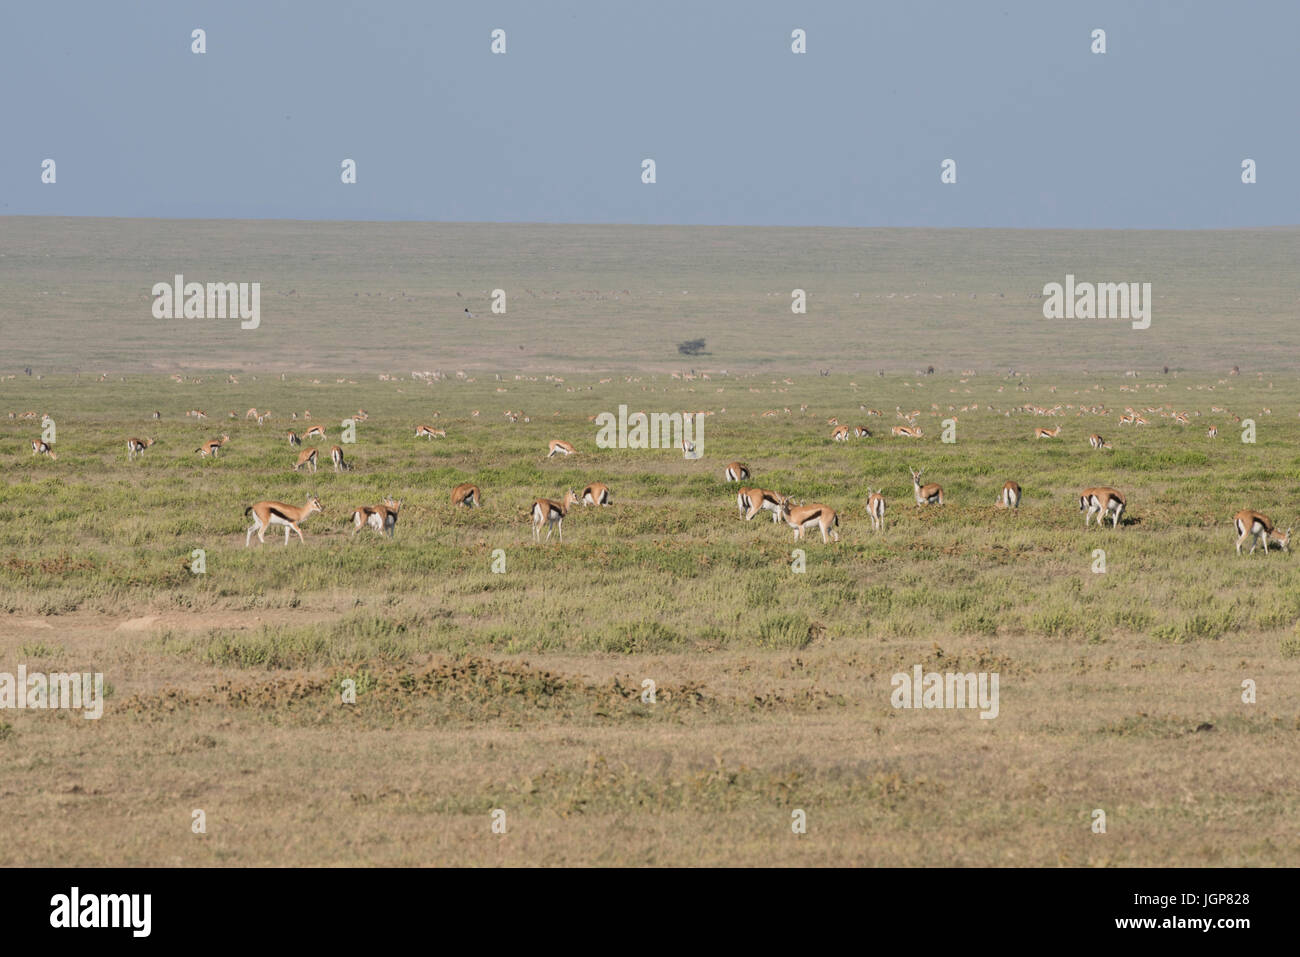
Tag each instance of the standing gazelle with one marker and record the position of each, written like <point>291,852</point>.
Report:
<point>467,495</point>
<point>800,517</point>
<point>1047,433</point>
<point>294,439</point>
<point>1213,432</point>
<point>1099,501</point>
<point>597,493</point>
<point>560,447</point>
<point>212,447</point>
<point>136,447</point>
<point>930,493</point>
<point>306,457</point>
<point>336,454</point>
<point>737,472</point>
<point>41,447</point>
<point>1097,442</point>
<point>266,514</point>
<point>316,431</point>
<point>1010,497</point>
<point>428,432</point>
<point>840,433</point>
<point>551,514</point>
<point>382,518</point>
<point>876,509</point>
<point>1257,528</point>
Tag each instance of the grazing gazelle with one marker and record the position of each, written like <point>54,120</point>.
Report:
<point>156,415</point>
<point>266,514</point>
<point>861,432</point>
<point>737,472</point>
<point>930,493</point>
<point>1213,432</point>
<point>905,432</point>
<point>212,446</point>
<point>40,447</point>
<point>1097,442</point>
<point>1257,528</point>
<point>382,518</point>
<point>336,454</point>
<point>551,514</point>
<point>800,517</point>
<point>136,447</point>
<point>597,493</point>
<point>316,432</point>
<point>840,433</point>
<point>467,495</point>
<point>1010,497</point>
<point>1099,501</point>
<point>294,439</point>
<point>754,500</point>
<point>426,432</point>
<point>1047,433</point>
<point>876,509</point>
<point>306,457</point>
<point>560,447</point>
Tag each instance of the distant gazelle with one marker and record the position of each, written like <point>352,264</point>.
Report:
<point>551,514</point>
<point>801,517</point>
<point>1047,433</point>
<point>737,472</point>
<point>382,518</point>
<point>840,433</point>
<point>427,432</point>
<point>306,457</point>
<point>861,432</point>
<point>467,495</point>
<point>930,493</point>
<point>266,514</point>
<point>316,432</point>
<point>1213,432</point>
<point>1257,528</point>
<point>751,501</point>
<point>905,432</point>
<point>294,439</point>
<point>876,509</point>
<point>597,493</point>
<point>560,447</point>
<point>336,455</point>
<point>1097,442</point>
<point>1010,497</point>
<point>136,447</point>
<point>40,447</point>
<point>1100,501</point>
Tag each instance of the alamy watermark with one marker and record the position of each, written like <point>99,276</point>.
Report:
<point>923,689</point>
<point>214,300</point>
<point>1103,300</point>
<point>74,692</point>
<point>656,430</point>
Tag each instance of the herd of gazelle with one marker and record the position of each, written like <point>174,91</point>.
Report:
<point>1101,501</point>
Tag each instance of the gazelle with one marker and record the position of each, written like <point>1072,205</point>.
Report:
<point>156,415</point>
<point>861,432</point>
<point>560,447</point>
<point>754,500</point>
<point>905,432</point>
<point>1213,432</point>
<point>551,514</point>
<point>840,433</point>
<point>382,518</point>
<point>1047,433</point>
<point>266,514</point>
<point>597,493</point>
<point>1097,442</point>
<point>315,432</point>
<point>801,517</point>
<point>306,457</point>
<point>40,447</point>
<point>212,447</point>
<point>1099,501</point>
<point>1257,528</point>
<point>336,455</point>
<point>136,447</point>
<point>1010,497</point>
<point>426,432</point>
<point>467,495</point>
<point>737,472</point>
<point>876,509</point>
<point>929,494</point>
<point>294,439</point>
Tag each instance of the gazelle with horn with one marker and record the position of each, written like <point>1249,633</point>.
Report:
<point>136,447</point>
<point>1102,500</point>
<point>551,514</point>
<point>1257,527</point>
<point>801,517</point>
<point>266,514</point>
<point>560,447</point>
<point>876,509</point>
<point>929,494</point>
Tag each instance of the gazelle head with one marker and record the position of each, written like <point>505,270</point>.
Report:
<point>570,498</point>
<point>916,476</point>
<point>314,505</point>
<point>393,503</point>
<point>1283,540</point>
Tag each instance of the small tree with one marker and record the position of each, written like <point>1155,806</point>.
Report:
<point>691,347</point>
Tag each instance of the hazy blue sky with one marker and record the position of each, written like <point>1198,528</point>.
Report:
<point>1044,132</point>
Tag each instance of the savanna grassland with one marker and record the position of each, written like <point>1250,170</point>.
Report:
<point>1120,690</point>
